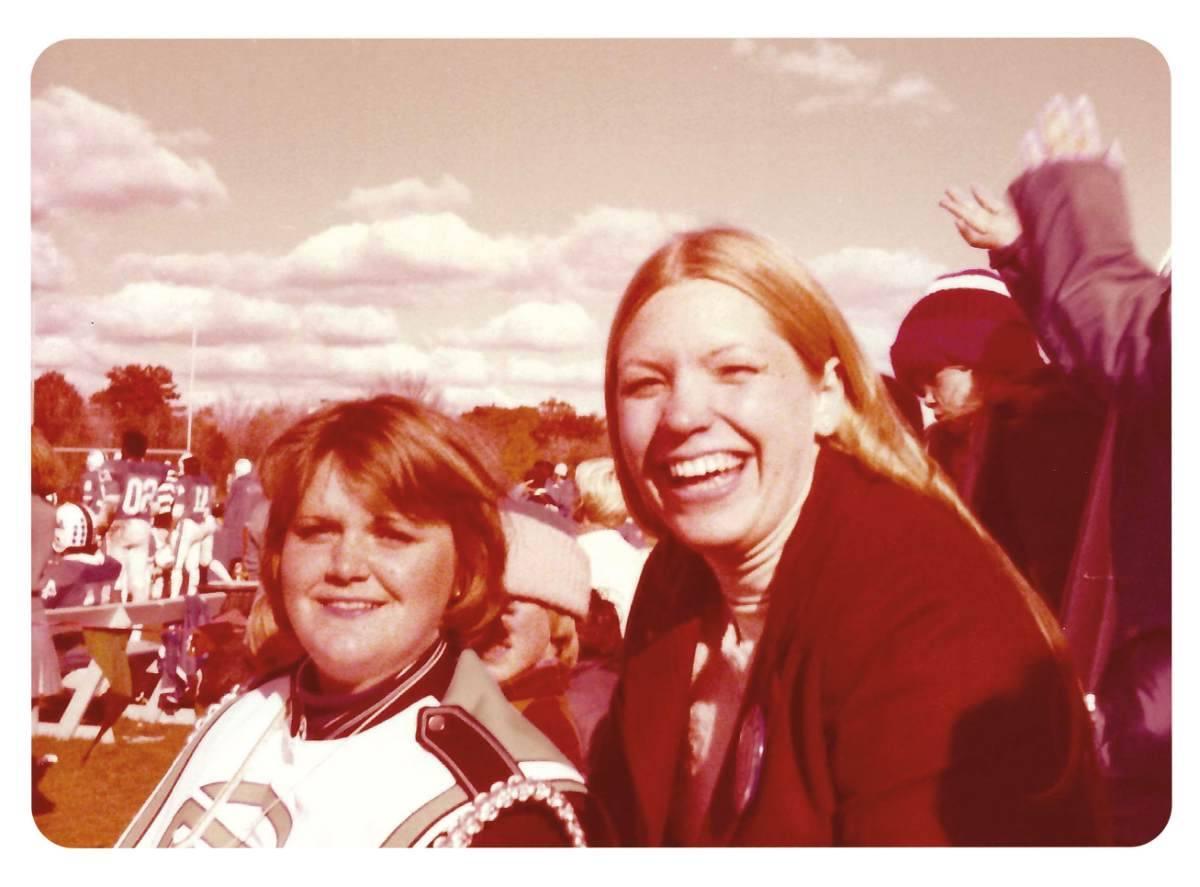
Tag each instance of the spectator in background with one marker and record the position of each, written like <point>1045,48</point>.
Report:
<point>907,405</point>
<point>135,487</point>
<point>245,494</point>
<point>535,644</point>
<point>562,490</point>
<point>616,565</point>
<point>252,540</point>
<point>1104,317</point>
<point>535,487</point>
<point>1017,439</point>
<point>45,470</point>
<point>79,574</point>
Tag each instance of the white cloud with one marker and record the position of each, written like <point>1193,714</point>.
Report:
<point>844,78</point>
<point>407,196</point>
<point>535,371</point>
<point>418,248</point>
<point>151,311</point>
<point>874,289</point>
<point>423,258</point>
<point>827,63</point>
<point>86,155</point>
<point>915,90</point>
<point>50,268</point>
<point>237,271</point>
<point>460,367</point>
<point>541,326</point>
<point>295,362</point>
<point>342,325</point>
<point>234,361</point>
<point>54,316</point>
<point>54,352</point>
<point>604,246</point>
<point>324,319</point>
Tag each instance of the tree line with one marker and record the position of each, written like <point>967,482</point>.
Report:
<point>146,398</point>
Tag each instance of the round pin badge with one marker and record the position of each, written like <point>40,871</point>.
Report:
<point>748,758</point>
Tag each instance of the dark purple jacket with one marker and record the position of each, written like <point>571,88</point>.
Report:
<point>1104,317</point>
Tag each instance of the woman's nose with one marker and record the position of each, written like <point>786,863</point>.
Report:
<point>347,561</point>
<point>689,406</point>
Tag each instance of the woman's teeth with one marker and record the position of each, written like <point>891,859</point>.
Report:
<point>703,466</point>
<point>350,606</point>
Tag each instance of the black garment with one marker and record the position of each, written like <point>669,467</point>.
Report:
<point>1023,467</point>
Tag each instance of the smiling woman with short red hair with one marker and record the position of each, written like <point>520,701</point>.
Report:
<point>383,562</point>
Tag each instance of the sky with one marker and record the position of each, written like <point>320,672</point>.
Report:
<point>330,216</point>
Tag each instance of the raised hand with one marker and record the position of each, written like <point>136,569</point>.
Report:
<point>983,221</point>
<point>1067,131</point>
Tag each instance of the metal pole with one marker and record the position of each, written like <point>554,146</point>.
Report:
<point>191,383</point>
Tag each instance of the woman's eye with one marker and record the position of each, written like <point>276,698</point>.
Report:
<point>394,533</point>
<point>640,386</point>
<point>736,372</point>
<point>312,531</point>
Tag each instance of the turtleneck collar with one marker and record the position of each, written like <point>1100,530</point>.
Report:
<point>317,715</point>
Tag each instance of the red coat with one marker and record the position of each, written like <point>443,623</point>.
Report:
<point>909,697</point>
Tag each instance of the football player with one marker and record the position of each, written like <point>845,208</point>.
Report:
<point>194,496</point>
<point>135,484</point>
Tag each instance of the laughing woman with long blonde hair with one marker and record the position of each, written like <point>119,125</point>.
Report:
<point>825,647</point>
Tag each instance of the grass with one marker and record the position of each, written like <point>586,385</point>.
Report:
<point>94,801</point>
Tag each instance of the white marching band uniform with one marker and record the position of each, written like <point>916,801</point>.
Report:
<point>245,779</point>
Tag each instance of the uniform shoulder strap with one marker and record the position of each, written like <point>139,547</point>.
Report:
<point>468,750</point>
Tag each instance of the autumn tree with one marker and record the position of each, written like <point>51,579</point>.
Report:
<point>142,397</point>
<point>509,432</point>
<point>58,410</point>
<point>566,436</point>
<point>210,445</point>
<point>552,431</point>
<point>245,428</point>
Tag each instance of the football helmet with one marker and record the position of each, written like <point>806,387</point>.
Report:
<point>73,528</point>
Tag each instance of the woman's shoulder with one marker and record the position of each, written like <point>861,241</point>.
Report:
<point>870,512</point>
<point>880,550</point>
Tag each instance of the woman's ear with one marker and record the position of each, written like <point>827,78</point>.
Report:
<point>830,400</point>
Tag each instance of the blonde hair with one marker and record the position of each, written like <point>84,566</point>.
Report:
<point>564,636</point>
<point>600,498</point>
<point>270,648</point>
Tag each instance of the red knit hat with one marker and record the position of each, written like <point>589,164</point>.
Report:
<point>966,319</point>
